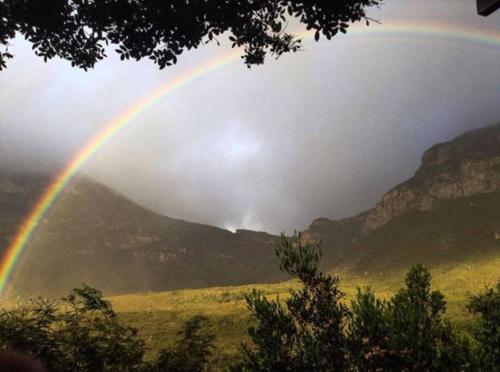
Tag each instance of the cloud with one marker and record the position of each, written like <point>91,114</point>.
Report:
<point>321,133</point>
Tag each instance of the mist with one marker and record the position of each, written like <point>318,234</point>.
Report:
<point>324,132</point>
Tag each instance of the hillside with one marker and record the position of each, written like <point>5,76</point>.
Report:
<point>468,165</point>
<point>447,213</point>
<point>96,236</point>
<point>18,194</point>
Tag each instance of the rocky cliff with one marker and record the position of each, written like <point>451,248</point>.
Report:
<point>448,212</point>
<point>468,165</point>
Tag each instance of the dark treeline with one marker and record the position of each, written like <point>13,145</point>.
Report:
<point>313,330</point>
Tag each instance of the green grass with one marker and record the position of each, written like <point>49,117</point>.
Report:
<point>159,316</point>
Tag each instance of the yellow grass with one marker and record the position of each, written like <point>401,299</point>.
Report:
<point>159,316</point>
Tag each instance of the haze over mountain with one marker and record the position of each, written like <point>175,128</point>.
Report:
<point>97,236</point>
<point>447,212</point>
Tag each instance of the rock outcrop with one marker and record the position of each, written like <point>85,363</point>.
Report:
<point>468,165</point>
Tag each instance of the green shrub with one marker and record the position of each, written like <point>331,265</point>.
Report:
<point>307,332</point>
<point>313,330</point>
<point>191,352</point>
<point>81,332</point>
<point>487,328</point>
<point>408,332</point>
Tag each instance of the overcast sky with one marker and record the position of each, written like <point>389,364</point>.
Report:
<point>324,132</point>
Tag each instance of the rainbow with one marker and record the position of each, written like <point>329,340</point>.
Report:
<point>119,123</point>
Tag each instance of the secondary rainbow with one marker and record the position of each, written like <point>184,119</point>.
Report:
<point>118,124</point>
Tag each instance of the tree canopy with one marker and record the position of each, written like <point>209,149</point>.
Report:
<point>80,30</point>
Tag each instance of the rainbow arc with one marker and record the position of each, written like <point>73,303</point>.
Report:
<point>18,245</point>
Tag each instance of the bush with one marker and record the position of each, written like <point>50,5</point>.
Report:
<point>407,332</point>
<point>307,332</point>
<point>191,352</point>
<point>313,330</point>
<point>487,328</point>
<point>81,332</point>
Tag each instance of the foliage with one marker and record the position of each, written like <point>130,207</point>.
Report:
<point>76,333</point>
<point>81,332</point>
<point>487,330</point>
<point>80,30</point>
<point>191,352</point>
<point>407,332</point>
<point>307,333</point>
<point>368,331</point>
<point>314,330</point>
<point>416,322</point>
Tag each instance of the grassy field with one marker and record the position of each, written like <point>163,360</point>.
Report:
<point>159,316</point>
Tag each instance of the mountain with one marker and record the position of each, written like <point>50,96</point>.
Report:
<point>448,212</point>
<point>466,166</point>
<point>96,236</point>
<point>18,195</point>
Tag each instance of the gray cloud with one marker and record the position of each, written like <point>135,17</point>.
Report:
<point>321,133</point>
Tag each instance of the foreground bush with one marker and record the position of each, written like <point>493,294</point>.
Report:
<point>487,329</point>
<point>81,332</point>
<point>306,332</point>
<point>314,330</point>
<point>191,352</point>
<point>408,332</point>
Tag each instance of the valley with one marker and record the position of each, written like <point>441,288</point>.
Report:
<point>446,214</point>
<point>160,271</point>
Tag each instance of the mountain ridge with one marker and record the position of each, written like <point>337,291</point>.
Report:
<point>446,211</point>
<point>110,230</point>
<point>466,165</point>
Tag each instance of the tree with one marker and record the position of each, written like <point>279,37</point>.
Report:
<point>79,332</point>
<point>191,352</point>
<point>80,30</point>
<point>487,328</point>
<point>307,332</point>
<point>314,330</point>
<point>368,332</point>
<point>408,332</point>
